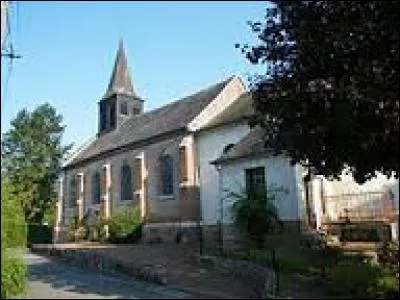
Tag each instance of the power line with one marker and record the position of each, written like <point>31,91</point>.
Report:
<point>9,52</point>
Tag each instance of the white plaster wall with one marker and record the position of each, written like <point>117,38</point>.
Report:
<point>278,173</point>
<point>347,185</point>
<point>210,145</point>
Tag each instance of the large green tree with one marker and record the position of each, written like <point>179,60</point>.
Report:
<point>330,95</point>
<point>31,158</point>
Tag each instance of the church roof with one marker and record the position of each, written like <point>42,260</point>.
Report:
<point>120,81</point>
<point>251,144</point>
<point>168,118</point>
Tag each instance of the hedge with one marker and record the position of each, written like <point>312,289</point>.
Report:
<point>13,244</point>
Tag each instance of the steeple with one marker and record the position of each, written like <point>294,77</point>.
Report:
<point>120,81</point>
<point>120,100</point>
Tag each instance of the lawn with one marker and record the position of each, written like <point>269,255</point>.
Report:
<point>337,274</point>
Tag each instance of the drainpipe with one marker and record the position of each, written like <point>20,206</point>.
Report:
<point>221,209</point>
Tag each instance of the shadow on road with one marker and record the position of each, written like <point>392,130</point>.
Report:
<point>66,278</point>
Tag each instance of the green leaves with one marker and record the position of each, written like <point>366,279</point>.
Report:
<point>123,222</point>
<point>31,158</point>
<point>255,211</point>
<point>329,97</point>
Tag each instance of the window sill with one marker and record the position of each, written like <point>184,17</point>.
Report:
<point>165,197</point>
<point>185,183</point>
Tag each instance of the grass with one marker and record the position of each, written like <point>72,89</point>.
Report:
<point>344,275</point>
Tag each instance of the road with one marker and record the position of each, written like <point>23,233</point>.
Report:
<point>51,279</point>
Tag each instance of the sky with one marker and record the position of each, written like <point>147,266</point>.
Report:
<point>68,50</point>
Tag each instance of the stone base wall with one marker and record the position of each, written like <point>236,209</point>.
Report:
<point>186,232</point>
<point>89,259</point>
<point>231,237</point>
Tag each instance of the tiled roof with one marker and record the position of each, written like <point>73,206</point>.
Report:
<point>168,118</point>
<point>251,144</point>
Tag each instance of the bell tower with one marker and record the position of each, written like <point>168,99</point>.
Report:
<point>120,101</point>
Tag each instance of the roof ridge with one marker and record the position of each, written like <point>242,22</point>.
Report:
<point>188,97</point>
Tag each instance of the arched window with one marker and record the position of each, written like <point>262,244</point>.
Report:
<point>96,189</point>
<point>166,172</point>
<point>73,195</point>
<point>126,182</point>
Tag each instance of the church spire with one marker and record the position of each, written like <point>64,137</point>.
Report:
<point>120,81</point>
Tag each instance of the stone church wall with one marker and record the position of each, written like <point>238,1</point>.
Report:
<point>182,205</point>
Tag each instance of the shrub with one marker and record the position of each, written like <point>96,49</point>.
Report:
<point>75,229</point>
<point>13,243</point>
<point>388,257</point>
<point>125,225</point>
<point>13,276</point>
<point>353,278</point>
<point>255,211</point>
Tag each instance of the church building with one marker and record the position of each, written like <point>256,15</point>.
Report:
<point>178,163</point>
<point>158,160</point>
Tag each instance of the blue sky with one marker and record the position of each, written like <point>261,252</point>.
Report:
<point>68,49</point>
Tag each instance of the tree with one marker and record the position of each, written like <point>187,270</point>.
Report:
<point>31,159</point>
<point>329,98</point>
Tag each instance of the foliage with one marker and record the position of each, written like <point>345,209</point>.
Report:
<point>353,278</point>
<point>125,224</point>
<point>329,98</point>
<point>345,276</point>
<point>13,277</point>
<point>13,227</point>
<point>13,241</point>
<point>76,230</point>
<point>291,258</point>
<point>50,214</point>
<point>388,257</point>
<point>94,226</point>
<point>255,211</point>
<point>360,279</point>
<point>31,158</point>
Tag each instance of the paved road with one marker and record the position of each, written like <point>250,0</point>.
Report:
<point>50,279</point>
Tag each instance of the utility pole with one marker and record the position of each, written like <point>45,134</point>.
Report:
<point>7,49</point>
<point>4,21</point>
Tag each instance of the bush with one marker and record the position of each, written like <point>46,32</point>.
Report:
<point>255,212</point>
<point>125,225</point>
<point>353,278</point>
<point>76,230</point>
<point>388,257</point>
<point>13,243</point>
<point>13,276</point>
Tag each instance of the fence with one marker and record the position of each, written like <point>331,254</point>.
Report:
<point>356,207</point>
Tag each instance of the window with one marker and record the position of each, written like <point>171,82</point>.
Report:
<point>166,172</point>
<point>112,115</point>
<point>103,116</point>
<point>138,174</point>
<point>136,111</point>
<point>183,164</point>
<point>228,147</point>
<point>123,108</point>
<point>73,195</point>
<point>96,190</point>
<point>255,180</point>
<point>126,182</point>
